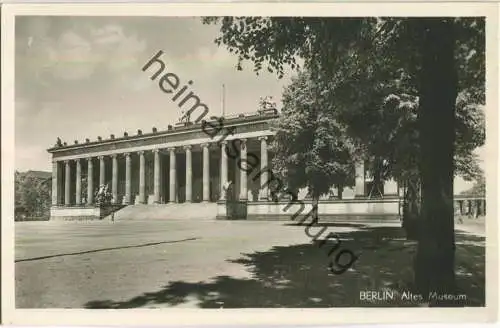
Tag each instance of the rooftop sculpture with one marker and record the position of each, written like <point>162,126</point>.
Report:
<point>266,104</point>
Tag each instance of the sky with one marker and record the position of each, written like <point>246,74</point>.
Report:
<point>81,77</point>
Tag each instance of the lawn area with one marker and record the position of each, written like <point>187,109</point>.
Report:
<point>219,264</point>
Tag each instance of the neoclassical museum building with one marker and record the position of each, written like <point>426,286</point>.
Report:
<point>184,164</point>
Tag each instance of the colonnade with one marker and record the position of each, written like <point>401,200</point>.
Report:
<point>73,196</point>
<point>173,152</point>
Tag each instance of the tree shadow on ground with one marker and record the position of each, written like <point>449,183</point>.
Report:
<point>298,276</point>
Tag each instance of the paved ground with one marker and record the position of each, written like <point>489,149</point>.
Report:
<point>472,225</point>
<point>214,264</point>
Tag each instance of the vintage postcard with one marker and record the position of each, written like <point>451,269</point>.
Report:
<point>254,163</point>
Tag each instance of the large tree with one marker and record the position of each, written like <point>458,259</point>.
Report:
<point>441,57</point>
<point>311,149</point>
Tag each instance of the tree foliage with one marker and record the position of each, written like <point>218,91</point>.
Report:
<point>312,149</point>
<point>478,189</point>
<point>367,71</point>
<point>428,71</point>
<point>32,194</point>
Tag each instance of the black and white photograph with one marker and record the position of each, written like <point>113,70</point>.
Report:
<point>266,159</point>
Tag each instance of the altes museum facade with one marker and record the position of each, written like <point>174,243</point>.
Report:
<point>184,164</point>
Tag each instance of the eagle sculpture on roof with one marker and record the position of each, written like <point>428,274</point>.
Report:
<point>185,117</point>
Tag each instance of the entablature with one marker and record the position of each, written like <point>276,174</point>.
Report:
<point>191,135</point>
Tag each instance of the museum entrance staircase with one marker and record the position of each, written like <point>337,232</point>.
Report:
<point>177,211</point>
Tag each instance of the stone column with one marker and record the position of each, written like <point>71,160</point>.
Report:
<point>390,188</point>
<point>142,178</point>
<point>223,169</point>
<point>102,171</point>
<point>189,174</point>
<point>360,180</point>
<point>90,181</point>
<point>206,172</point>
<point>157,180</point>
<point>67,183</point>
<point>264,166</point>
<point>128,179</point>
<point>172,176</point>
<point>78,189</point>
<point>114,181</point>
<point>55,174</point>
<point>243,173</point>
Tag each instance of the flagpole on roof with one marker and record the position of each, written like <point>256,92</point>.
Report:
<point>223,100</point>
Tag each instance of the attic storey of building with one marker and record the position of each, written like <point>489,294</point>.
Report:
<point>174,136</point>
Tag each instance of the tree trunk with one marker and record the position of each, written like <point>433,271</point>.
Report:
<point>340,190</point>
<point>378,180</point>
<point>435,259</point>
<point>315,201</point>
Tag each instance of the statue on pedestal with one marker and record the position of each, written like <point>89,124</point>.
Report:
<point>267,104</point>
<point>103,195</point>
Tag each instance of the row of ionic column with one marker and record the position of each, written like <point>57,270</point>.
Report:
<point>243,193</point>
<point>189,174</point>
<point>90,180</point>
<point>157,175</point>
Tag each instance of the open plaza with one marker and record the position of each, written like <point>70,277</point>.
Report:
<point>205,263</point>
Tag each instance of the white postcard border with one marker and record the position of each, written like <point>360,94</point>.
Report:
<point>164,317</point>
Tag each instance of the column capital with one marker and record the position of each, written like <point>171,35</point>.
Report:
<point>262,138</point>
<point>223,143</point>
<point>156,151</point>
<point>205,145</point>
<point>114,156</point>
<point>126,155</point>
<point>101,157</point>
<point>67,161</point>
<point>140,152</point>
<point>77,160</point>
<point>89,159</point>
<point>171,149</point>
<point>188,147</point>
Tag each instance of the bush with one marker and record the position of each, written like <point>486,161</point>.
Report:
<point>32,194</point>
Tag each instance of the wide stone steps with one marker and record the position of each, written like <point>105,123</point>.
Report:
<point>183,211</point>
